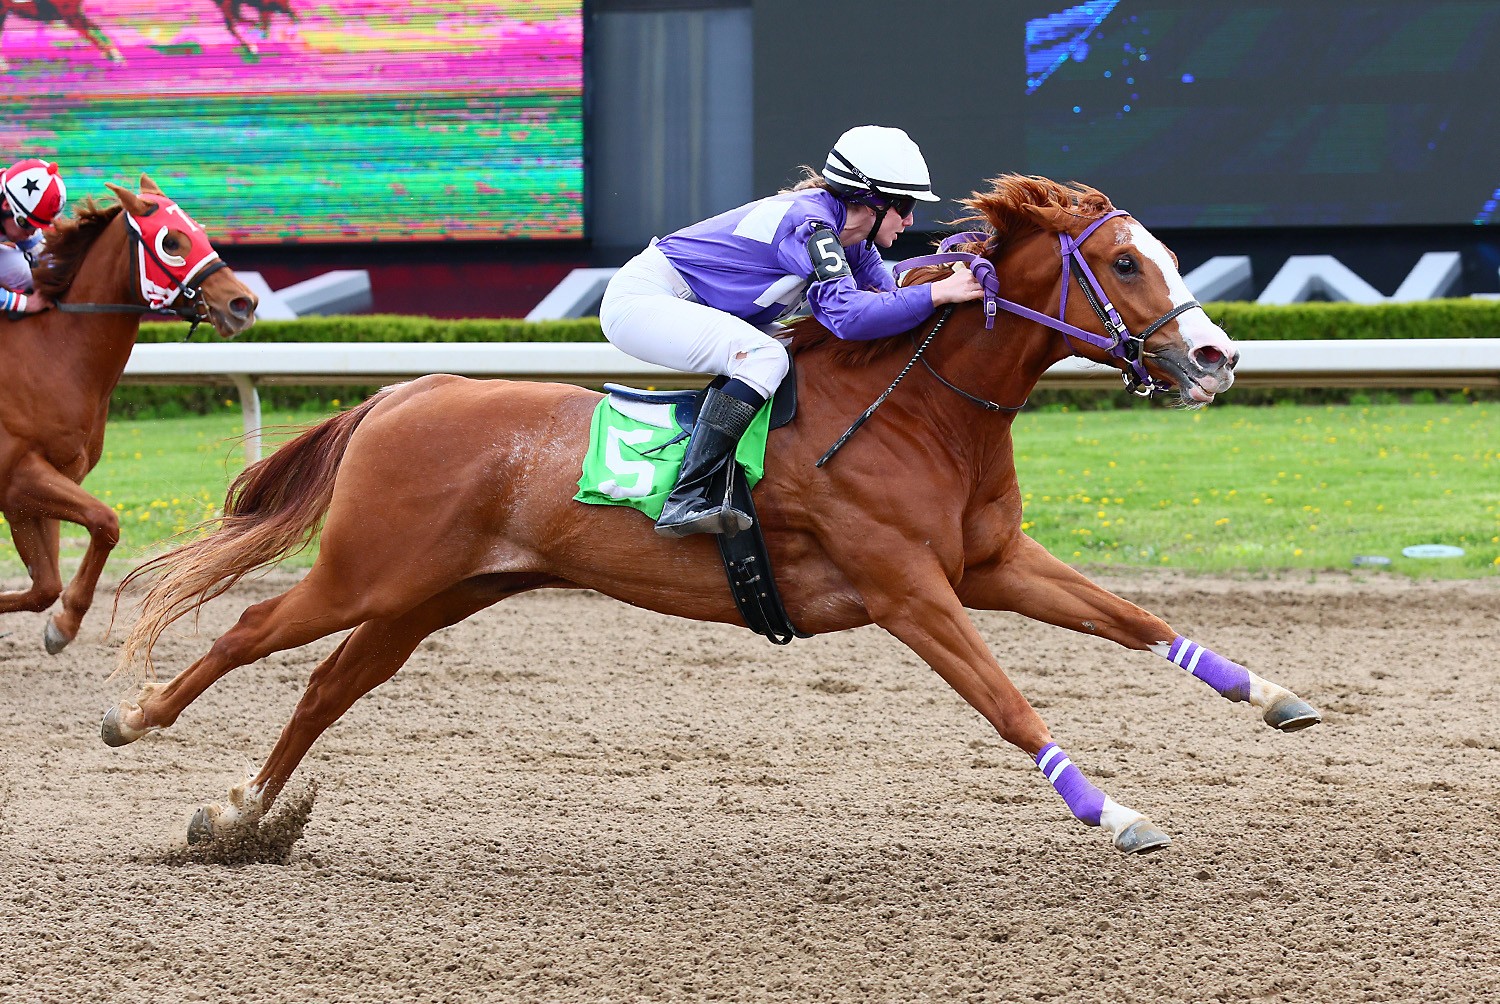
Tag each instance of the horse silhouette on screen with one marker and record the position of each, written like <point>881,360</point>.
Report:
<point>66,12</point>
<point>248,13</point>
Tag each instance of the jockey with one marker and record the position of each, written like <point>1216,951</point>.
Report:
<point>32,193</point>
<point>706,298</point>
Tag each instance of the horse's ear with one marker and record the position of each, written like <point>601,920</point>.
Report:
<point>1054,218</point>
<point>148,187</point>
<point>134,204</point>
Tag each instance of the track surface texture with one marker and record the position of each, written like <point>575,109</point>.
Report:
<point>567,799</point>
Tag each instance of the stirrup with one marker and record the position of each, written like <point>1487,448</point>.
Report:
<point>693,512</point>
<point>725,520</point>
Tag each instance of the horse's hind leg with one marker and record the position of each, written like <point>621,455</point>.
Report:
<point>367,658</point>
<point>308,611</point>
<point>1033,583</point>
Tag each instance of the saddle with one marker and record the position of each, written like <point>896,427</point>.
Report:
<point>747,563</point>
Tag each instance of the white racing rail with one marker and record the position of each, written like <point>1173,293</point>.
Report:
<point>1395,363</point>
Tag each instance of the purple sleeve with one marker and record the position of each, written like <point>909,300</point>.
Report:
<point>847,309</point>
<point>869,270</point>
<point>861,314</point>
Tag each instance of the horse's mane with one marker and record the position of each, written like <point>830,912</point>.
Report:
<point>69,242</point>
<point>1002,211</point>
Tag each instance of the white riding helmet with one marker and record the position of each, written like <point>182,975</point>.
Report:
<point>879,159</point>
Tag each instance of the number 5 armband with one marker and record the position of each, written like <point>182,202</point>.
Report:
<point>827,255</point>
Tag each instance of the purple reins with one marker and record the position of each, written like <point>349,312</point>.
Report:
<point>1119,341</point>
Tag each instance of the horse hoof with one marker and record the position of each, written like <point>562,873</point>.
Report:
<point>110,730</point>
<point>201,828</point>
<point>1290,713</point>
<point>53,640</point>
<point>1141,837</point>
<point>115,732</point>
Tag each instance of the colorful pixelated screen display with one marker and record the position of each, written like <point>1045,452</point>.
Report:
<point>278,121</point>
<point>1316,112</point>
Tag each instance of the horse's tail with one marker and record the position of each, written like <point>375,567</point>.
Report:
<point>271,511</point>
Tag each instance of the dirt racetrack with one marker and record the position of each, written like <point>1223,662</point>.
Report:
<point>566,799</point>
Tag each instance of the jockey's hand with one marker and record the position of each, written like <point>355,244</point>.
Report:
<point>959,287</point>
<point>36,303</point>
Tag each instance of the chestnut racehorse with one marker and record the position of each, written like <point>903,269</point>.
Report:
<point>59,370</point>
<point>445,495</point>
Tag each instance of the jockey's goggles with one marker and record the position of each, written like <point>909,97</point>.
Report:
<point>22,220</point>
<point>901,204</point>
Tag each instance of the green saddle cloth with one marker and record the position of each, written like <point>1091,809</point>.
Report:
<point>629,462</point>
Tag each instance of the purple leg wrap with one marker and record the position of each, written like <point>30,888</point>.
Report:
<point>1229,678</point>
<point>1085,801</point>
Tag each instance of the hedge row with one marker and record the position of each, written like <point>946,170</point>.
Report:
<point>1251,322</point>
<point>393,328</point>
<point>1469,318</point>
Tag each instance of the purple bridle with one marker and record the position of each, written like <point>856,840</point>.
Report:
<point>1118,341</point>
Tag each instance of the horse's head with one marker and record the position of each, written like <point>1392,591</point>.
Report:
<point>1138,275</point>
<point>1117,283</point>
<point>175,266</point>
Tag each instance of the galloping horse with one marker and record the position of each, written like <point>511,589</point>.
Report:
<point>61,366</point>
<point>445,495</point>
<point>68,12</point>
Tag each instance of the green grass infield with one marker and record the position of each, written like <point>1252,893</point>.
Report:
<point>1229,489</point>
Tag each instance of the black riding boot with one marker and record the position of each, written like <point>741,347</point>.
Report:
<point>700,502</point>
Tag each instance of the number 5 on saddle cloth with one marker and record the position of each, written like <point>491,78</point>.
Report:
<point>636,444</point>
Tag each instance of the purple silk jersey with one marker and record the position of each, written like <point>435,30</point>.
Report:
<point>753,262</point>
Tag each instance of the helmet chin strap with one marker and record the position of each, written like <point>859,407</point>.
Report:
<point>875,227</point>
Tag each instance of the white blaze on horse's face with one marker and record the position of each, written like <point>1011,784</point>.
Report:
<point>1209,350</point>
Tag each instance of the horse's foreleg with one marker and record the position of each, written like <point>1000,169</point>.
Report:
<point>39,488</point>
<point>928,618</point>
<point>1030,581</point>
<point>367,658</point>
<point>36,541</point>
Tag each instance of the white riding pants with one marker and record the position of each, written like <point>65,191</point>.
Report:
<point>650,312</point>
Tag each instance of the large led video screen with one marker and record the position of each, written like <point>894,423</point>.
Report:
<point>1263,113</point>
<point>1188,113</point>
<point>287,121</point>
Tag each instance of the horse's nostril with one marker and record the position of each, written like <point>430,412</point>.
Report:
<point>1208,358</point>
<point>241,306</point>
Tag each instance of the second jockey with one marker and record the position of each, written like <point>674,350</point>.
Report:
<point>706,299</point>
<point>32,193</point>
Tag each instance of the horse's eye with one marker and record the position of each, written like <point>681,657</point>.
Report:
<point>1125,265</point>
<point>171,242</point>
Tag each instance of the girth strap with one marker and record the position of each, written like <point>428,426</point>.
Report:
<point>747,565</point>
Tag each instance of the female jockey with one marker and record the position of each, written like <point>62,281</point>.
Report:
<point>32,193</point>
<point>706,298</point>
